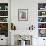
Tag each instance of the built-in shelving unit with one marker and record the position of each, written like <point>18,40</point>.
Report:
<point>42,19</point>
<point>4,19</point>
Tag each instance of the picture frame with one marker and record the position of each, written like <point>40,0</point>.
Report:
<point>22,14</point>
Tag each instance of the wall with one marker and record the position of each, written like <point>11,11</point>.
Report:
<point>32,6</point>
<point>32,13</point>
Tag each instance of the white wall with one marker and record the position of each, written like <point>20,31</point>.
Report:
<point>32,13</point>
<point>32,6</point>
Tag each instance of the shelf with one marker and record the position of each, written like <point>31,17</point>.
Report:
<point>3,10</point>
<point>41,10</point>
<point>41,28</point>
<point>42,16</point>
<point>3,22</point>
<point>42,19</point>
<point>41,22</point>
<point>3,16</point>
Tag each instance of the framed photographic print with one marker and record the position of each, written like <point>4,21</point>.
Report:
<point>22,14</point>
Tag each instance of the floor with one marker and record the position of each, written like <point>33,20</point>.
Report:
<point>3,45</point>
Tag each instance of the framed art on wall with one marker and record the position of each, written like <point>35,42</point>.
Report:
<point>22,14</point>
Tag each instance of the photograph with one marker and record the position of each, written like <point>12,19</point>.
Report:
<point>23,14</point>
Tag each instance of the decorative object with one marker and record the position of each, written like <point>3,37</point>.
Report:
<point>41,19</point>
<point>3,19</point>
<point>41,25</point>
<point>31,27</point>
<point>3,13</point>
<point>41,6</point>
<point>13,27</point>
<point>4,29</point>
<point>42,32</point>
<point>22,14</point>
<point>6,7</point>
<point>43,13</point>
